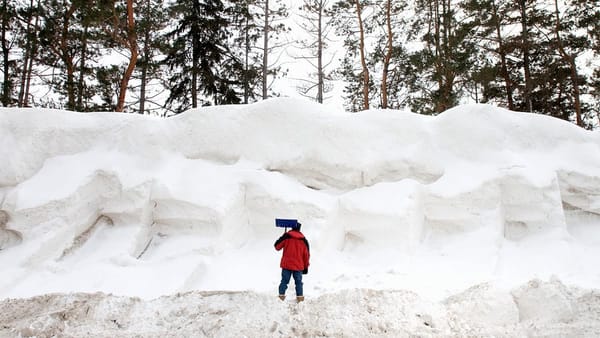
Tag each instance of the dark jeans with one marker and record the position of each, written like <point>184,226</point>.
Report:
<point>285,279</point>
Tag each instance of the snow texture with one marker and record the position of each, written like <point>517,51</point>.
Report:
<point>479,311</point>
<point>477,216</point>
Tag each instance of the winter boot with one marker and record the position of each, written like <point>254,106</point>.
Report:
<point>282,297</point>
<point>299,299</point>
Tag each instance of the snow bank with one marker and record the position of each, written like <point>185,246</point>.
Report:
<point>479,311</point>
<point>142,206</point>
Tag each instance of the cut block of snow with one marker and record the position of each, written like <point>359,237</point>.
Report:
<point>580,191</point>
<point>530,208</point>
<point>384,215</point>
<point>484,306</point>
<point>544,302</point>
<point>452,213</point>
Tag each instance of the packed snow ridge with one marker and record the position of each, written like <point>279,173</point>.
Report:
<point>147,207</point>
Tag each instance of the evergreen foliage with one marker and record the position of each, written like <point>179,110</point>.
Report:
<point>524,55</point>
<point>537,56</point>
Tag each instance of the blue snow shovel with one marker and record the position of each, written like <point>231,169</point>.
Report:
<point>286,223</point>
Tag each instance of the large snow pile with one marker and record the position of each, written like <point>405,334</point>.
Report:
<point>480,311</point>
<point>147,207</point>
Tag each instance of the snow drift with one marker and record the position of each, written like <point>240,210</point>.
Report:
<point>146,207</point>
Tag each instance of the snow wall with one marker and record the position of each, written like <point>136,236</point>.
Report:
<point>128,189</point>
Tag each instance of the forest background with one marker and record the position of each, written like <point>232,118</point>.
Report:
<point>164,57</point>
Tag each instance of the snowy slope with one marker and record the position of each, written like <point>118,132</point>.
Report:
<point>390,200</point>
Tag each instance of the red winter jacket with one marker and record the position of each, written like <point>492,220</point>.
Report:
<point>296,252</point>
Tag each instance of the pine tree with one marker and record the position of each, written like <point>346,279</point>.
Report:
<point>246,34</point>
<point>200,59</point>
<point>361,48</point>
<point>108,79</point>
<point>591,19</point>
<point>195,50</point>
<point>119,23</point>
<point>389,45</point>
<point>29,44</point>
<point>392,27</point>
<point>570,47</point>
<point>494,71</point>
<point>575,23</point>
<point>7,32</point>
<point>151,23</point>
<point>386,29</point>
<point>445,59</point>
<point>316,21</point>
<point>349,21</point>
<point>131,43</point>
<point>58,41</point>
<point>90,39</point>
<point>70,38</point>
<point>549,46</point>
<point>272,14</point>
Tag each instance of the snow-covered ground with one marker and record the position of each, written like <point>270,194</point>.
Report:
<point>479,221</point>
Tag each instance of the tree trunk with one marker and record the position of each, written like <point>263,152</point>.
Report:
<point>365,70</point>
<point>388,55</point>
<point>195,57</point>
<point>570,60</point>
<point>68,58</point>
<point>144,79</point>
<point>502,53</point>
<point>31,58</point>
<point>526,65</point>
<point>320,82</point>
<point>450,74</point>
<point>439,67</point>
<point>27,56</point>
<point>443,55</point>
<point>265,66</point>
<point>80,85</point>
<point>246,59</point>
<point>132,45</point>
<point>145,63</point>
<point>6,84</point>
<point>576,91</point>
<point>194,72</point>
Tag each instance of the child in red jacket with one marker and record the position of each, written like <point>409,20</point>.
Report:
<point>294,261</point>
